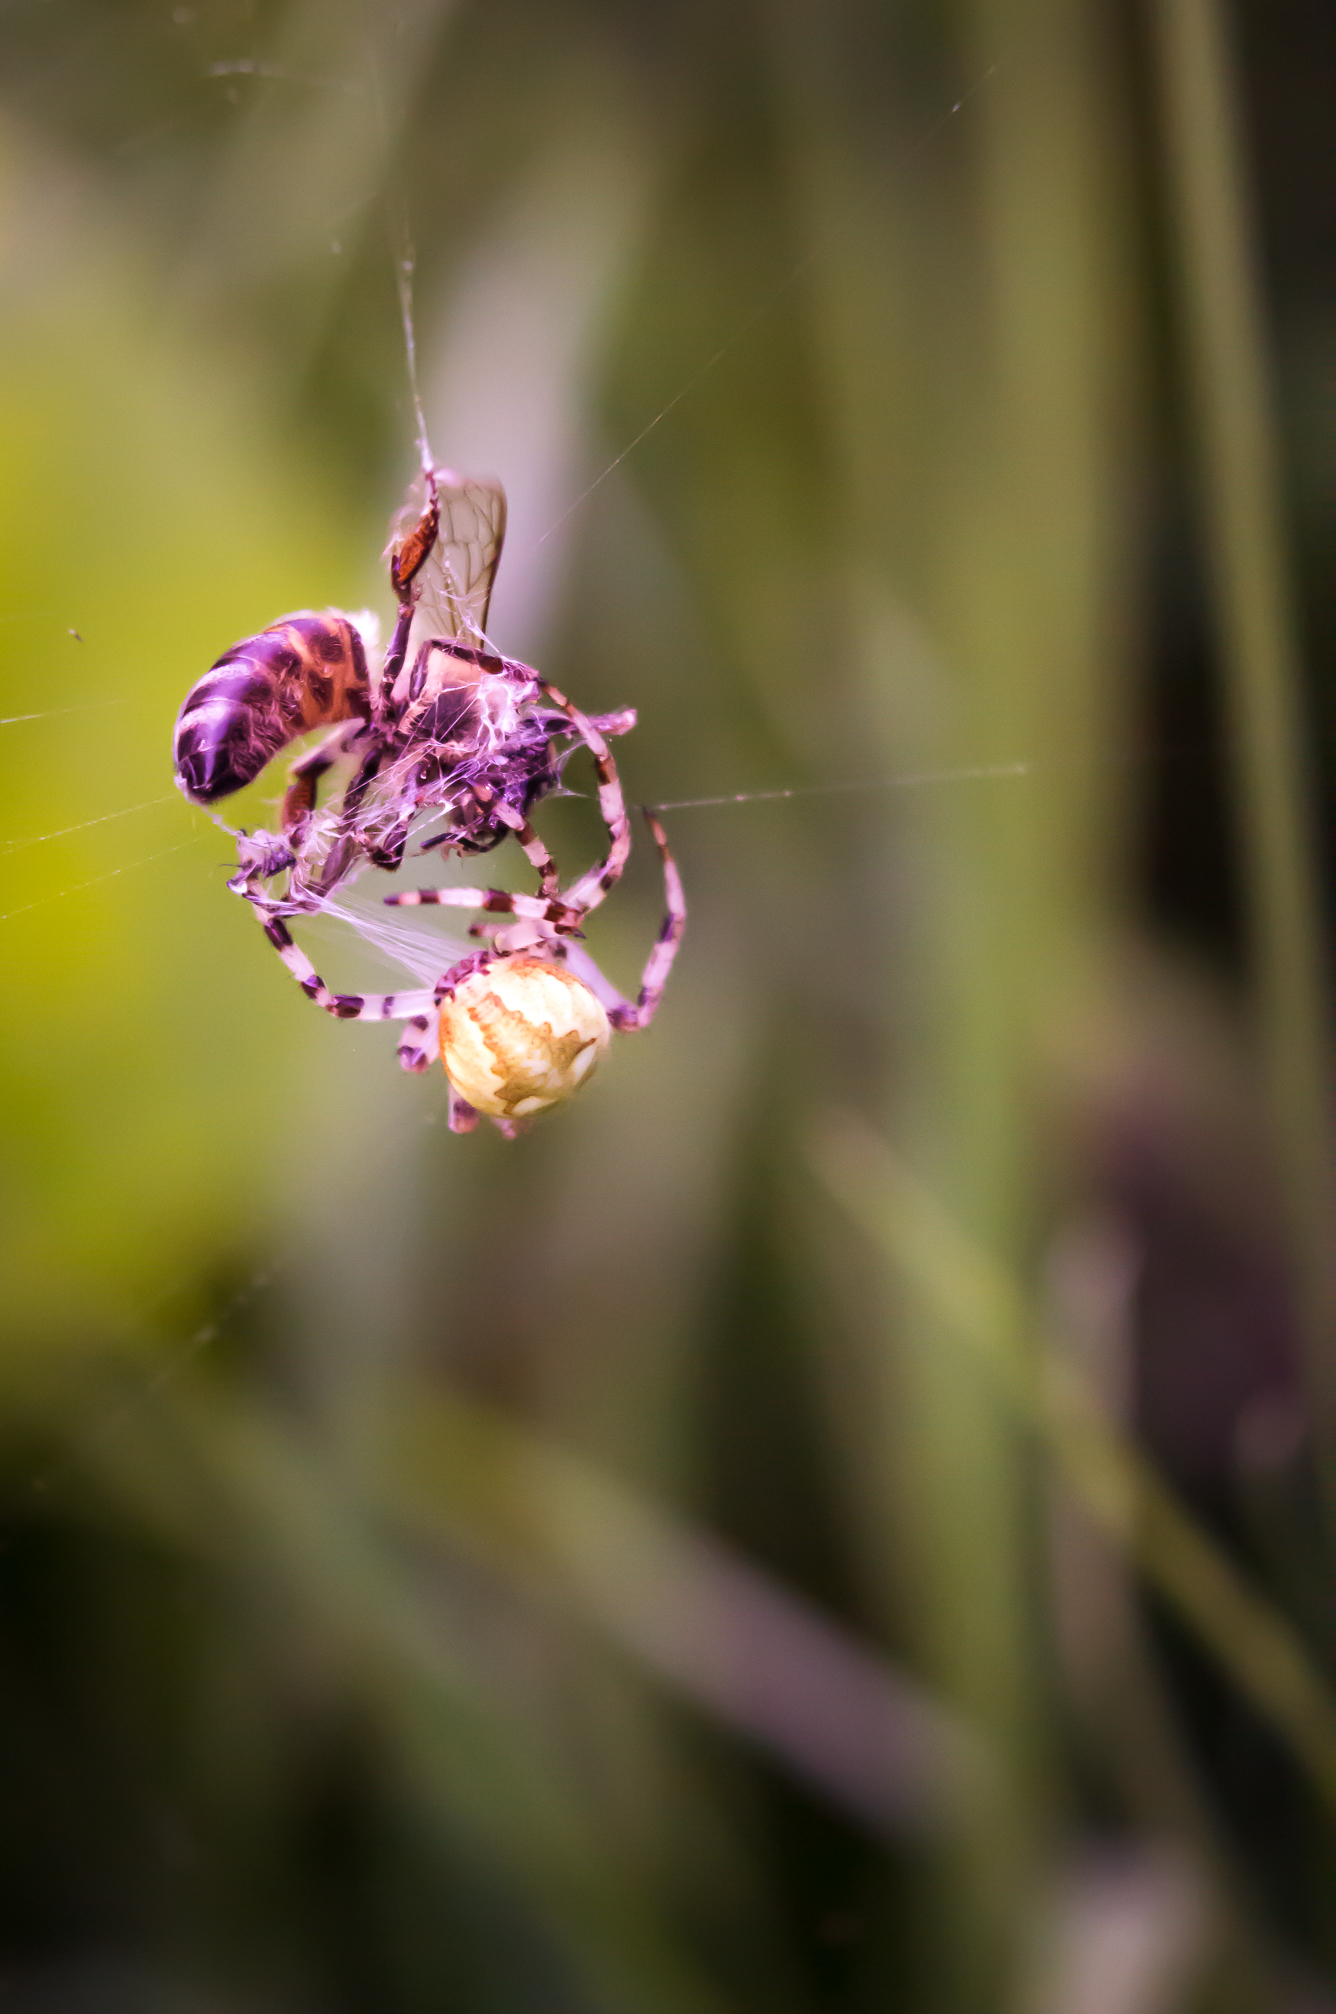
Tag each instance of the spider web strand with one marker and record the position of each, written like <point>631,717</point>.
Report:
<point>910,780</point>
<point>91,706</point>
<point>8,846</point>
<point>79,886</point>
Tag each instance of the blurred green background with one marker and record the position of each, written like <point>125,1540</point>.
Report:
<point>842,1517</point>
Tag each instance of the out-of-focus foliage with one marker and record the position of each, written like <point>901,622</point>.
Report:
<point>836,1518</point>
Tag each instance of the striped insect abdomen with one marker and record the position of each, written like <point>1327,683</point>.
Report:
<point>306,671</point>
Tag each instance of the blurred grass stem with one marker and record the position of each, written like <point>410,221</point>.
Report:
<point>703,1618</point>
<point>1225,354</point>
<point>222,1472</point>
<point>985,1309</point>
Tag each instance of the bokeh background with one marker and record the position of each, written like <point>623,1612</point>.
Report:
<point>841,1517</point>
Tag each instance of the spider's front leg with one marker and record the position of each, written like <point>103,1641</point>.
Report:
<point>561,912</point>
<point>535,852</point>
<point>590,889</point>
<point>629,1015</point>
<point>421,1001</point>
<point>418,1045</point>
<point>547,907</point>
<point>660,961</point>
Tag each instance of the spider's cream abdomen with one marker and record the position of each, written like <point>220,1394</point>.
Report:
<point>521,1034</point>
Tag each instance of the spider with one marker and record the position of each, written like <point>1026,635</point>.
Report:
<point>445,733</point>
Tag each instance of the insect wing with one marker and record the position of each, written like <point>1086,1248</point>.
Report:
<point>457,577</point>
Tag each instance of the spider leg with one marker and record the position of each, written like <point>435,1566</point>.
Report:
<point>344,1006</point>
<point>625,1014</point>
<point>545,907</point>
<point>499,901</point>
<point>536,853</point>
<point>463,1118</point>
<point>590,889</point>
<point>564,911</point>
<point>418,1042</point>
<point>660,961</point>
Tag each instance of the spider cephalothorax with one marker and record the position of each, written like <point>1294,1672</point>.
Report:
<point>452,746</point>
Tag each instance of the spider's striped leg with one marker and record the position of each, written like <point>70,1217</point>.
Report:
<point>545,907</point>
<point>625,1014</point>
<point>499,901</point>
<point>463,1118</point>
<point>660,961</point>
<point>590,889</point>
<point>549,881</point>
<point>563,911</point>
<point>344,1006</point>
<point>418,1043</point>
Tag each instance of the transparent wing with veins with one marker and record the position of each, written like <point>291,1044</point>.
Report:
<point>455,581</point>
